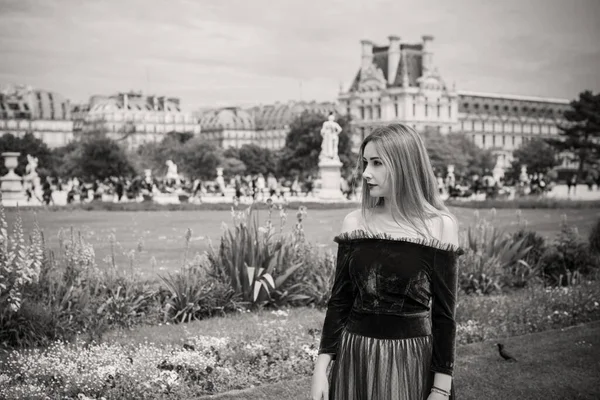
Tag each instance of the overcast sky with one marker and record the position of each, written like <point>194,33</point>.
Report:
<point>230,52</point>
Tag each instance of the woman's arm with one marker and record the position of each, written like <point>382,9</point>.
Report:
<point>445,288</point>
<point>342,297</point>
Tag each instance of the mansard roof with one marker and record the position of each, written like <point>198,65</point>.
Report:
<point>229,118</point>
<point>506,105</point>
<point>410,61</point>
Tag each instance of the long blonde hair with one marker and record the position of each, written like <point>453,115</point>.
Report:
<point>415,197</point>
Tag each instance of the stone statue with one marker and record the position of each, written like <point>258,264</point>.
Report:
<point>172,174</point>
<point>330,132</point>
<point>32,164</point>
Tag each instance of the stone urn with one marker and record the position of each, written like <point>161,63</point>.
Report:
<point>10,184</point>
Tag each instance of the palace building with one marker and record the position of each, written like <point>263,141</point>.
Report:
<point>265,126</point>
<point>399,82</point>
<point>45,114</point>
<point>133,118</point>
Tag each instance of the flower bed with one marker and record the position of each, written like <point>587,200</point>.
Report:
<point>238,352</point>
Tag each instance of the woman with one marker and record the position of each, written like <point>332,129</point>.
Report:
<point>390,323</point>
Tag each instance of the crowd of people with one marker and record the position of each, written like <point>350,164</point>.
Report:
<point>260,187</point>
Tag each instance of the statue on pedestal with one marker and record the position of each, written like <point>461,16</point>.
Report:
<point>330,132</point>
<point>31,178</point>
<point>172,176</point>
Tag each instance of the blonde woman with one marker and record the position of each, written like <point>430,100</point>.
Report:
<point>390,326</point>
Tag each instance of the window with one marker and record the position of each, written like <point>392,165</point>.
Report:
<point>483,140</point>
<point>449,111</point>
<point>493,140</point>
<point>503,140</point>
<point>426,109</point>
<point>513,140</point>
<point>414,109</point>
<point>362,112</point>
<point>396,109</point>
<point>472,125</point>
<point>438,110</point>
<point>486,107</point>
<point>466,105</point>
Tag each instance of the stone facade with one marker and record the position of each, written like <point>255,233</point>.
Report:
<point>45,114</point>
<point>133,118</point>
<point>399,82</point>
<point>265,126</point>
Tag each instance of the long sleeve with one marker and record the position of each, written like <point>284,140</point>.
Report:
<point>445,288</point>
<point>339,305</point>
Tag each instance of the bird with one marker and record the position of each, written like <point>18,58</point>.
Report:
<point>504,354</point>
<point>189,347</point>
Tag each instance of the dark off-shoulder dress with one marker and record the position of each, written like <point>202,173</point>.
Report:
<point>390,321</point>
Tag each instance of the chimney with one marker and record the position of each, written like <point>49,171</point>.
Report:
<point>393,58</point>
<point>427,55</point>
<point>367,54</point>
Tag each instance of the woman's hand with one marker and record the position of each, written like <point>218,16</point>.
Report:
<point>320,385</point>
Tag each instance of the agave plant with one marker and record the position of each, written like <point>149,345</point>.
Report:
<point>253,258</point>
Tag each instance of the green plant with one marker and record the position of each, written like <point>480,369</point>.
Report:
<point>568,258</point>
<point>594,238</point>
<point>20,263</point>
<point>255,260</point>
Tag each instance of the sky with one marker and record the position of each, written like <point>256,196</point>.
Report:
<point>214,53</point>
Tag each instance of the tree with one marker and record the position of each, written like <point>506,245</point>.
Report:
<point>581,133</point>
<point>539,156</point>
<point>258,160</point>
<point>28,144</point>
<point>303,145</point>
<point>98,158</point>
<point>200,159</point>
<point>457,149</point>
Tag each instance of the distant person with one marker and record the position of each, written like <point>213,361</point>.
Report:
<point>572,183</point>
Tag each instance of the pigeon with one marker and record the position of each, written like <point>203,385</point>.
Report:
<point>504,354</point>
<point>188,347</point>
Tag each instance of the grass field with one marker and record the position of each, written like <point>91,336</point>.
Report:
<point>162,232</point>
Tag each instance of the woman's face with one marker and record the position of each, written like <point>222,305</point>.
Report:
<point>375,173</point>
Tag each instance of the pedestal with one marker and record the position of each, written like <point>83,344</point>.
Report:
<point>10,184</point>
<point>330,171</point>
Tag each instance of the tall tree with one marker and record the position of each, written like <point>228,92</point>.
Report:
<point>258,160</point>
<point>539,156</point>
<point>98,158</point>
<point>581,133</point>
<point>303,145</point>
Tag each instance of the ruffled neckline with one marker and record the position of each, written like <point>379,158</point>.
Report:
<point>361,234</point>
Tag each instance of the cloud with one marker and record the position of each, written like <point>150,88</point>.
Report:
<point>206,51</point>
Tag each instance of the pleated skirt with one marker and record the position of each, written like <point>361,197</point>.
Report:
<point>369,368</point>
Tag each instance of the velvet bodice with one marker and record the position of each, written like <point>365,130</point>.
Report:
<point>382,280</point>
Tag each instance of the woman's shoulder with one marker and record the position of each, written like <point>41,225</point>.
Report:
<point>352,221</point>
<point>446,228</point>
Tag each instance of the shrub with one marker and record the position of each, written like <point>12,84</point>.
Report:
<point>256,260</point>
<point>594,239</point>
<point>568,258</point>
<point>311,284</point>
<point>493,259</point>
<point>194,294</point>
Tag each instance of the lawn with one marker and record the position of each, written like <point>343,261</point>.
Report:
<point>162,232</point>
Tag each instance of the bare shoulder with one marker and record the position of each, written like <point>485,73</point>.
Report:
<point>352,221</point>
<point>448,228</point>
